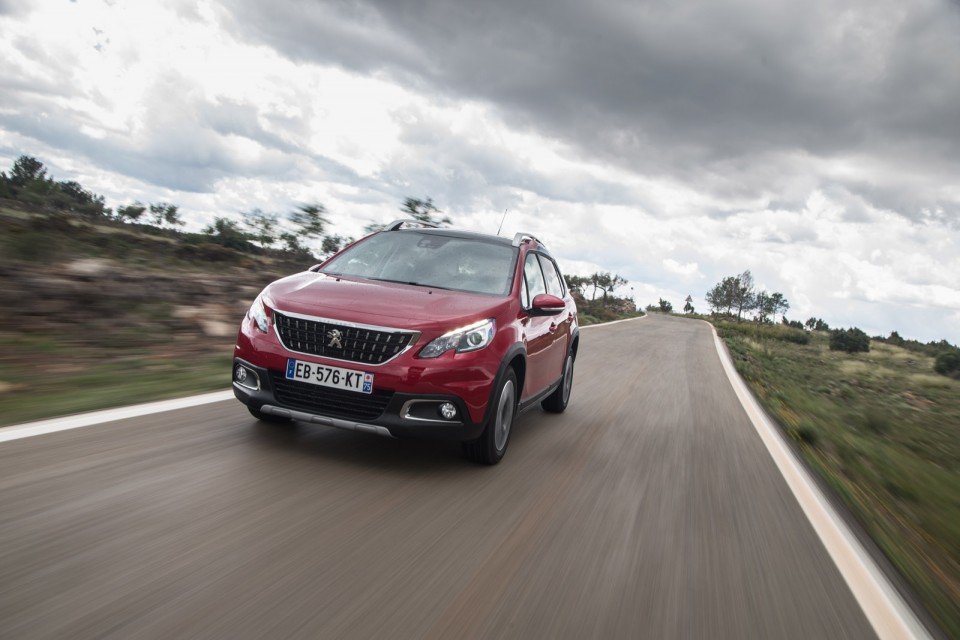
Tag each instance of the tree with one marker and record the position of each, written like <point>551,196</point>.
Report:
<point>29,183</point>
<point>599,281</point>
<point>71,196</point>
<point>816,324</point>
<point>688,307</point>
<point>421,210</point>
<point>780,305</point>
<point>764,306</point>
<point>604,281</point>
<point>424,211</point>
<point>615,281</point>
<point>310,220</point>
<point>333,243</point>
<point>6,186</point>
<point>768,305</point>
<point>850,340</point>
<point>228,234</point>
<point>292,244</point>
<point>262,227</point>
<point>164,212</point>
<point>27,169</point>
<point>665,307</point>
<point>720,298</point>
<point>744,296</point>
<point>576,283</point>
<point>131,212</point>
<point>733,293</point>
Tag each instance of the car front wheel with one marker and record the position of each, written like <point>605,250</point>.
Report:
<point>492,443</point>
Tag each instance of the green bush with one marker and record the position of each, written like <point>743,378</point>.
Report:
<point>876,421</point>
<point>765,331</point>
<point>796,336</point>
<point>850,340</point>
<point>948,364</point>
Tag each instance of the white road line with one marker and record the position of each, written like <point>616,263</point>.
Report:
<point>108,415</point>
<point>607,324</point>
<point>880,601</point>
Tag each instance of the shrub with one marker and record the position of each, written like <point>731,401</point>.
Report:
<point>208,252</point>
<point>806,434</point>
<point>797,337</point>
<point>850,340</point>
<point>30,245</point>
<point>780,332</point>
<point>876,421</point>
<point>948,364</point>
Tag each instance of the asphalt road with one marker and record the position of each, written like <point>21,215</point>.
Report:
<point>650,509</point>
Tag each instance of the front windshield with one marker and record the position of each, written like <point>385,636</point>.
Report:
<point>429,259</point>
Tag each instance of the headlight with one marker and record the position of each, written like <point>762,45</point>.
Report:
<point>476,336</point>
<point>258,314</point>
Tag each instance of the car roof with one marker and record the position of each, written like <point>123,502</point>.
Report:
<point>520,238</point>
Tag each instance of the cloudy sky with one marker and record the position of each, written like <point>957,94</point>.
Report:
<point>673,142</point>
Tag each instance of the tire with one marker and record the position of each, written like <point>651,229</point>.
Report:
<point>492,443</point>
<point>557,401</point>
<point>267,417</point>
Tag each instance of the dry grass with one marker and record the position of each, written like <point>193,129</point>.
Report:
<point>884,431</point>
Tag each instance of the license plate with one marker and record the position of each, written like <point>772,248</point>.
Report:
<point>325,376</point>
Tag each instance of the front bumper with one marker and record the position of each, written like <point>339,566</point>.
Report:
<point>395,414</point>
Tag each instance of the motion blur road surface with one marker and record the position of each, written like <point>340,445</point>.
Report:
<point>650,509</point>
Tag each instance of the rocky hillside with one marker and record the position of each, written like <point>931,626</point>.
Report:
<point>119,287</point>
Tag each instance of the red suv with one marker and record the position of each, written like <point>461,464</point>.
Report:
<point>421,332</point>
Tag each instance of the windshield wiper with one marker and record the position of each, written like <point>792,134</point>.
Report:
<point>411,282</point>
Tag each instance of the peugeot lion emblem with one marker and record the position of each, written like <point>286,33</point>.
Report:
<point>335,335</point>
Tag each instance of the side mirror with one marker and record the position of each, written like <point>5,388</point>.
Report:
<point>545,304</point>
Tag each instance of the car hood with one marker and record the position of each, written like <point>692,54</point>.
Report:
<point>386,304</point>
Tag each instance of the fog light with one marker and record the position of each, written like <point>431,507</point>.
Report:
<point>448,411</point>
<point>246,377</point>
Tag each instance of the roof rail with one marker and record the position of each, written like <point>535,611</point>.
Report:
<point>522,236</point>
<point>397,224</point>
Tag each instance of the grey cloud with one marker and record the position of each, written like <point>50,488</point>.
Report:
<point>922,206</point>
<point>350,34</point>
<point>228,117</point>
<point>466,175</point>
<point>13,7</point>
<point>680,90</point>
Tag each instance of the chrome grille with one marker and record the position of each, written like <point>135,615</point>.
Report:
<point>338,341</point>
<point>335,403</point>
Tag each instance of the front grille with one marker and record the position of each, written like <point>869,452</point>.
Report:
<point>332,340</point>
<point>325,401</point>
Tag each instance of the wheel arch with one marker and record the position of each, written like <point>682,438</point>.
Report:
<point>516,359</point>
